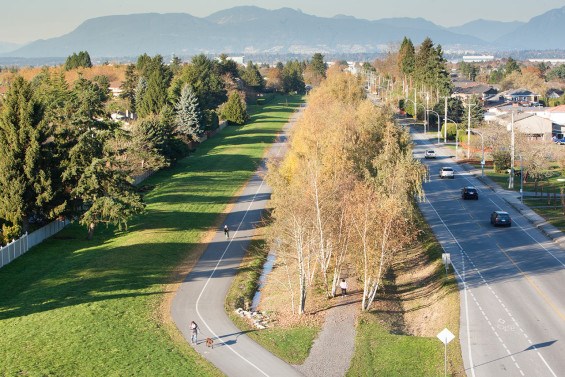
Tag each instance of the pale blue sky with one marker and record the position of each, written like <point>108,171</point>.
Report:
<point>27,20</point>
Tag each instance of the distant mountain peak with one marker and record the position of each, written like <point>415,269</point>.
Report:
<point>285,30</point>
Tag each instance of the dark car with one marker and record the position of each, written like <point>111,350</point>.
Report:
<point>469,192</point>
<point>500,218</point>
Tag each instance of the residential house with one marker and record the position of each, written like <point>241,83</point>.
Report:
<point>523,96</point>
<point>554,93</point>
<point>116,88</point>
<point>527,123</point>
<point>555,114</point>
<point>482,91</point>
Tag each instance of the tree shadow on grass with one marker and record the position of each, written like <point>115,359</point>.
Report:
<point>60,274</point>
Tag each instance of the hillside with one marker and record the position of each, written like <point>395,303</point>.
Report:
<point>542,32</point>
<point>487,30</point>
<point>237,30</point>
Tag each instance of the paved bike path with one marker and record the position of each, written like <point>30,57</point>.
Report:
<point>202,294</point>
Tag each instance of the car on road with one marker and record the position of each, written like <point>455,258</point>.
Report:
<point>469,192</point>
<point>500,218</point>
<point>446,172</point>
<point>430,153</point>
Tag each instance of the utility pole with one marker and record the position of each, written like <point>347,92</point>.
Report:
<point>445,123</point>
<point>469,133</point>
<point>511,178</point>
<point>416,104</point>
<point>427,114</point>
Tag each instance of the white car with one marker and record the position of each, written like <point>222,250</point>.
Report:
<point>446,172</point>
<point>430,153</point>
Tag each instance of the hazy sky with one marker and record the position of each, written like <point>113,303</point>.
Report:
<point>27,20</point>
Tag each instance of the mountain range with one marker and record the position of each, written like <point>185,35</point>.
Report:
<point>249,29</point>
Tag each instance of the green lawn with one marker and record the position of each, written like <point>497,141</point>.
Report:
<point>380,353</point>
<point>552,184</point>
<point>552,213</point>
<point>72,307</point>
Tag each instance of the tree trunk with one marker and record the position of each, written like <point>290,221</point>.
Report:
<point>91,227</point>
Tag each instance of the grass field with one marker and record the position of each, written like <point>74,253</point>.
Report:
<point>553,214</point>
<point>72,307</point>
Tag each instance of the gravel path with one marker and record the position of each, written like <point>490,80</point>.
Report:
<point>331,353</point>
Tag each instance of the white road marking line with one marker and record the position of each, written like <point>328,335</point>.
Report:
<point>216,268</point>
<point>465,255</point>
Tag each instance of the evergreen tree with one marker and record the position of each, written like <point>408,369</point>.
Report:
<point>511,66</point>
<point>252,77</point>
<point>82,59</point>
<point>155,96</point>
<point>406,57</point>
<point>234,110</point>
<point>111,197</point>
<point>176,65</point>
<point>87,101</point>
<point>129,86</point>
<point>227,66</point>
<point>188,116</point>
<point>203,76</point>
<point>292,80</point>
<point>140,90</point>
<point>318,65</point>
<point>25,182</point>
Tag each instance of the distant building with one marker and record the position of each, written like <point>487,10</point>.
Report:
<point>551,61</point>
<point>477,58</point>
<point>238,59</point>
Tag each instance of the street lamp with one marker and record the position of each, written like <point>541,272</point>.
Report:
<point>416,110</point>
<point>438,121</point>
<point>483,148</point>
<point>469,128</point>
<point>512,151</point>
<point>521,181</point>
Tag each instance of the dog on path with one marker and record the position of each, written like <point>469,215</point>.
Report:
<point>210,343</point>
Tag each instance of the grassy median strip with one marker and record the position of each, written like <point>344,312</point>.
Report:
<point>72,307</point>
<point>398,337</point>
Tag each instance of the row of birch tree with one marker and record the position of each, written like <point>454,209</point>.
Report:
<point>343,195</point>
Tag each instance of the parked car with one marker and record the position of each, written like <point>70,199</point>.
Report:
<point>470,192</point>
<point>446,172</point>
<point>430,153</point>
<point>500,218</point>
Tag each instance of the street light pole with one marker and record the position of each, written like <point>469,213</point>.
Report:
<point>483,148</point>
<point>521,181</point>
<point>512,150</point>
<point>445,123</point>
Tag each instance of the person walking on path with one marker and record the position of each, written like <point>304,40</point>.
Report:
<point>343,286</point>
<point>193,332</point>
<point>227,231</point>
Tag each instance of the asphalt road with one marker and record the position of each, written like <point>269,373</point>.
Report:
<point>512,280</point>
<point>202,294</point>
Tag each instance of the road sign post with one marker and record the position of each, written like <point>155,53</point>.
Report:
<point>446,259</point>
<point>445,336</point>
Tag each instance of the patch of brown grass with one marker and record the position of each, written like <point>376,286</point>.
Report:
<point>115,73</point>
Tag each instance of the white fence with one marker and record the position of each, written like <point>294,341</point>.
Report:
<point>20,246</point>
